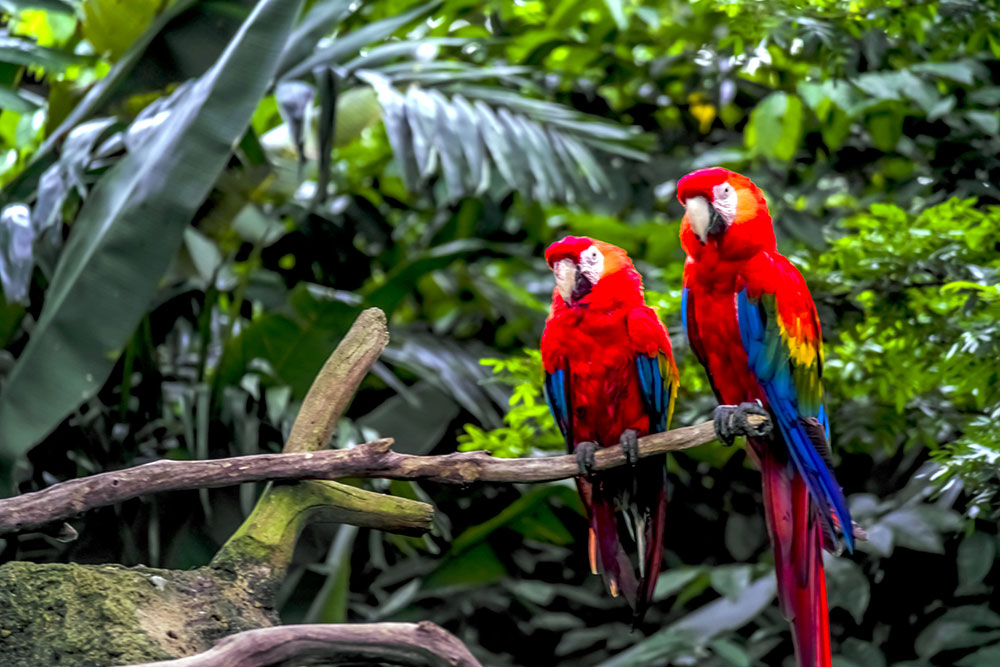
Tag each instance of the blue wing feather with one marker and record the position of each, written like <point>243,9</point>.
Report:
<point>684,310</point>
<point>655,397</point>
<point>557,396</point>
<point>773,370</point>
<point>824,421</point>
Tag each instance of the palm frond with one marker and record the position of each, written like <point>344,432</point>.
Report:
<point>486,138</point>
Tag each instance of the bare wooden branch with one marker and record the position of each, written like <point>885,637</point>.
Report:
<point>373,459</point>
<point>337,381</point>
<point>266,539</point>
<point>423,644</point>
<point>64,500</point>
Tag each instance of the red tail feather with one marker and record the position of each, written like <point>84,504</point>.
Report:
<point>614,547</point>
<point>797,539</point>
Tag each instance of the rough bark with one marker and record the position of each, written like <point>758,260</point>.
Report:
<point>412,644</point>
<point>62,501</point>
<point>373,459</point>
<point>336,382</point>
<point>99,615</point>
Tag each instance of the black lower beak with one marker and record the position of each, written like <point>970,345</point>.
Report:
<point>581,287</point>
<point>716,224</point>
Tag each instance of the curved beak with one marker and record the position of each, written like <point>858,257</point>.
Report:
<point>581,287</point>
<point>705,221</point>
<point>572,284</point>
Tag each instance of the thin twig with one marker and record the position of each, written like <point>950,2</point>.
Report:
<point>421,644</point>
<point>372,459</point>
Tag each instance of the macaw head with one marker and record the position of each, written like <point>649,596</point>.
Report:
<point>725,210</point>
<point>580,264</point>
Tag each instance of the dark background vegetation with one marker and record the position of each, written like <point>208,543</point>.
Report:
<point>419,158</point>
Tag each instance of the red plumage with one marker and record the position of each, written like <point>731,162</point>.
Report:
<point>725,257</point>
<point>595,341</point>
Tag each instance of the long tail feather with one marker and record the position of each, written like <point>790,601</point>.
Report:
<point>627,520</point>
<point>797,539</point>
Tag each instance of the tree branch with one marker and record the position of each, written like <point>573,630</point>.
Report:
<point>266,539</point>
<point>423,644</point>
<point>372,459</point>
<point>337,381</point>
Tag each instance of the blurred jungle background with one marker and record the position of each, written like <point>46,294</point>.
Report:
<point>419,158</point>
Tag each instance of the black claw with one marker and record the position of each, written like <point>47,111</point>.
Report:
<point>630,446</point>
<point>585,457</point>
<point>723,424</point>
<point>746,427</point>
<point>734,420</point>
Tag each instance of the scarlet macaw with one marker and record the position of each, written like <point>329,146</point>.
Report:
<point>753,325</point>
<point>610,378</point>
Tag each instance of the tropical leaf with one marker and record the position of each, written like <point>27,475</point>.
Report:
<point>320,20</point>
<point>349,45</point>
<point>451,368</point>
<point>128,230</point>
<point>60,6</point>
<point>20,51</point>
<point>492,136</point>
<point>16,262</point>
<point>330,603</point>
<point>96,99</point>
<point>699,626</point>
<point>19,101</point>
<point>295,345</point>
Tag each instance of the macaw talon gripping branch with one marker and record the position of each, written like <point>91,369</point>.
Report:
<point>585,452</point>
<point>734,420</point>
<point>630,446</point>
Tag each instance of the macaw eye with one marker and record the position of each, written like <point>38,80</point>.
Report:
<point>590,256</point>
<point>592,264</point>
<point>722,193</point>
<point>724,200</point>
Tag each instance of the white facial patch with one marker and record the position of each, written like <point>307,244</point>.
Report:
<point>725,200</point>
<point>592,264</point>
<point>565,273</point>
<point>698,216</point>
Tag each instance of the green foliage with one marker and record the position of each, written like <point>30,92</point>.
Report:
<point>528,423</point>
<point>924,329</point>
<point>155,190</point>
<point>111,26</point>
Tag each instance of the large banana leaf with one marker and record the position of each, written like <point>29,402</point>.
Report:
<point>96,98</point>
<point>128,230</point>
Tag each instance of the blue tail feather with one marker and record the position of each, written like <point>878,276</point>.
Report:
<point>770,365</point>
<point>822,486</point>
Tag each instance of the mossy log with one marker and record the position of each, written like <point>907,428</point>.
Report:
<point>100,615</point>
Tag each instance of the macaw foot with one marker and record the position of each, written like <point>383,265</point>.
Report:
<point>585,457</point>
<point>630,446</point>
<point>734,420</point>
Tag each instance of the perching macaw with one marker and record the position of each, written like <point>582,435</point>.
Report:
<point>753,325</point>
<point>610,378</point>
